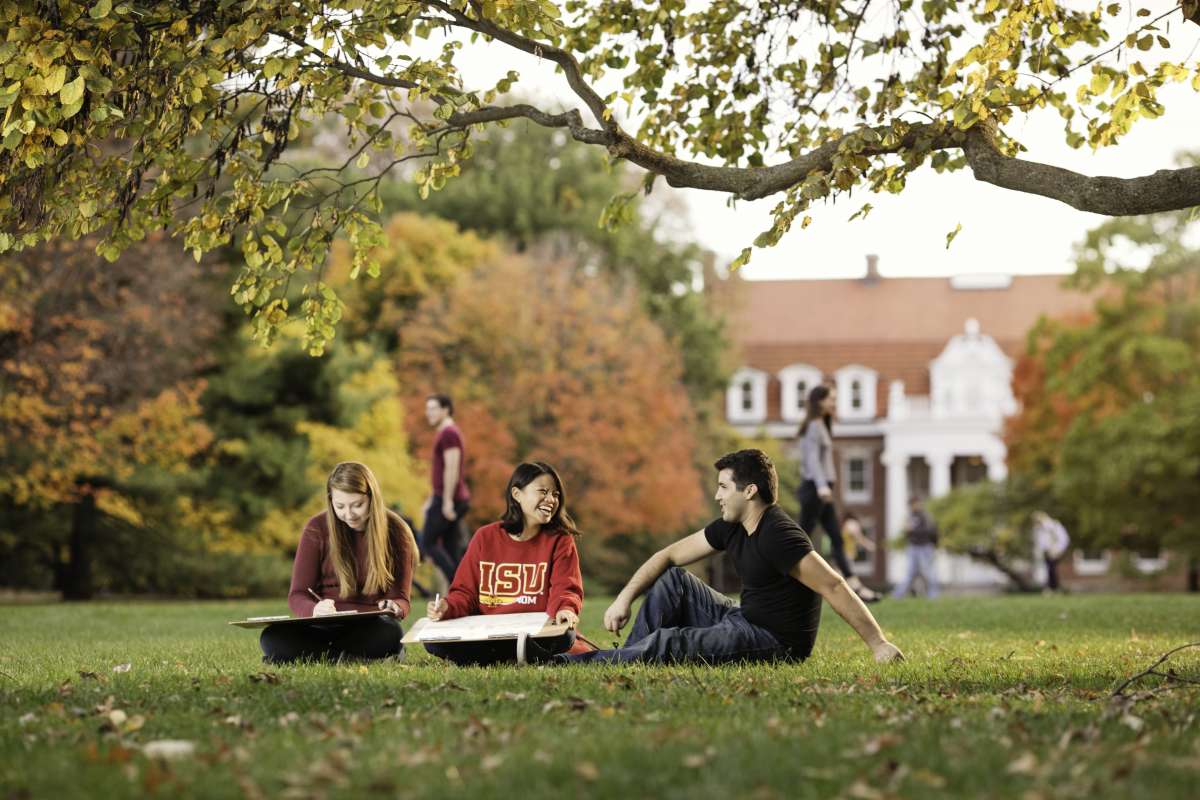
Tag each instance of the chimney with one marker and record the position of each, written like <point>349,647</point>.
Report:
<point>872,276</point>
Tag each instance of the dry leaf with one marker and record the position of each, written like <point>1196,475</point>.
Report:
<point>169,748</point>
<point>863,791</point>
<point>1025,765</point>
<point>122,668</point>
<point>587,770</point>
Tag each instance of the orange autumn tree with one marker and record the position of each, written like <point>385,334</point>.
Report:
<point>99,409</point>
<point>547,362</point>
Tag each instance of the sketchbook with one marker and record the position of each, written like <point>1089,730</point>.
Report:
<point>483,627</point>
<point>262,622</point>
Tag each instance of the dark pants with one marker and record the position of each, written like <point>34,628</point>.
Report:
<point>439,537</point>
<point>813,510</point>
<point>1051,573</point>
<point>683,619</point>
<point>368,639</point>
<point>501,651</point>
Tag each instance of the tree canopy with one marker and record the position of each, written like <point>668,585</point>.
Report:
<point>121,117</point>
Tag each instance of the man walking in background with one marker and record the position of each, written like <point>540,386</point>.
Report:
<point>921,533</point>
<point>450,499</point>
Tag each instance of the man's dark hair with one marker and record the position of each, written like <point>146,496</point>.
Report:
<point>752,466</point>
<point>444,401</point>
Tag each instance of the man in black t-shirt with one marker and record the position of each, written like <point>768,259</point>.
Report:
<point>783,580</point>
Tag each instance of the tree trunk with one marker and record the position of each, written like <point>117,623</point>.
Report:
<point>1020,581</point>
<point>77,583</point>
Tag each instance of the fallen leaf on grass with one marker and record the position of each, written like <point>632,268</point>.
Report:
<point>25,719</point>
<point>587,770</point>
<point>168,749</point>
<point>515,696</point>
<point>1025,765</point>
<point>264,677</point>
<point>697,760</point>
<point>930,779</point>
<point>863,791</point>
<point>1134,724</point>
<point>122,667</point>
<point>490,762</point>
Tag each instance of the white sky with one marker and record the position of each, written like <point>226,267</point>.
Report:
<point>1002,231</point>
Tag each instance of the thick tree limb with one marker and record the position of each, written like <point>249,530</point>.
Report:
<point>1165,190</point>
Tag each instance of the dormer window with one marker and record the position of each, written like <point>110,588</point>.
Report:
<point>795,382</point>
<point>746,397</point>
<point>856,392</point>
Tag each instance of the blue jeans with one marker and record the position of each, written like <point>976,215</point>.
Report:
<point>685,620</point>
<point>921,559</point>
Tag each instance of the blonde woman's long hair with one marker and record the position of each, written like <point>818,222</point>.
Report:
<point>350,476</point>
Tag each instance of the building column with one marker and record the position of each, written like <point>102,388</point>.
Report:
<point>896,499</point>
<point>939,473</point>
<point>997,469</point>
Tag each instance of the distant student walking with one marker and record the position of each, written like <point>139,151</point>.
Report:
<point>353,556</point>
<point>449,499</point>
<point>1050,543</point>
<point>816,491</point>
<point>921,533</point>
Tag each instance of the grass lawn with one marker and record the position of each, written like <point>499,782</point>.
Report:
<point>1000,697</point>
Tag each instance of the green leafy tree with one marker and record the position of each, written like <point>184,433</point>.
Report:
<point>991,523</point>
<point>1109,420</point>
<point>120,118</point>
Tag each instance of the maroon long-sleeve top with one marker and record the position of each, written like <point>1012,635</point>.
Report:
<point>313,568</point>
<point>500,575</point>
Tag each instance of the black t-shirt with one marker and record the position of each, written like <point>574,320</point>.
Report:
<point>771,598</point>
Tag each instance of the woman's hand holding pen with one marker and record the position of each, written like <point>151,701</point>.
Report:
<point>323,607</point>
<point>435,608</point>
<point>566,616</point>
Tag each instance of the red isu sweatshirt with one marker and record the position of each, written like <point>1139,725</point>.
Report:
<point>499,575</point>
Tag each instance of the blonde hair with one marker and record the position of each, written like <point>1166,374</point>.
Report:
<point>350,476</point>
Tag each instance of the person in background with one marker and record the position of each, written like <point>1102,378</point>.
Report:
<point>921,534</point>
<point>1050,543</point>
<point>353,556</point>
<point>449,498</point>
<point>816,491</point>
<point>855,537</point>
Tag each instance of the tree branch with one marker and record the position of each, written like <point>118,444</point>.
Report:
<point>1164,190</point>
<point>1151,670</point>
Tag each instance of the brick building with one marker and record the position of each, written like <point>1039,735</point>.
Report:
<point>923,368</point>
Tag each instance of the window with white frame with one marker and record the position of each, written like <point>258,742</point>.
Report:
<point>795,382</point>
<point>856,392</point>
<point>1090,562</point>
<point>746,397</point>
<point>856,475</point>
<point>1150,559</point>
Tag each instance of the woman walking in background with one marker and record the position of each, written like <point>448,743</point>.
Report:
<point>353,556</point>
<point>816,490</point>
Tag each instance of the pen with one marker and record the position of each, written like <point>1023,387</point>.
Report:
<point>437,598</point>
<point>316,596</point>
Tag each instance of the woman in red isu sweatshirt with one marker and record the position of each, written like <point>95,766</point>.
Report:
<point>526,562</point>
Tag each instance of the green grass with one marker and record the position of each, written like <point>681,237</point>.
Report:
<point>1000,697</point>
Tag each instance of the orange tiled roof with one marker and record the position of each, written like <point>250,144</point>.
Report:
<point>895,326</point>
